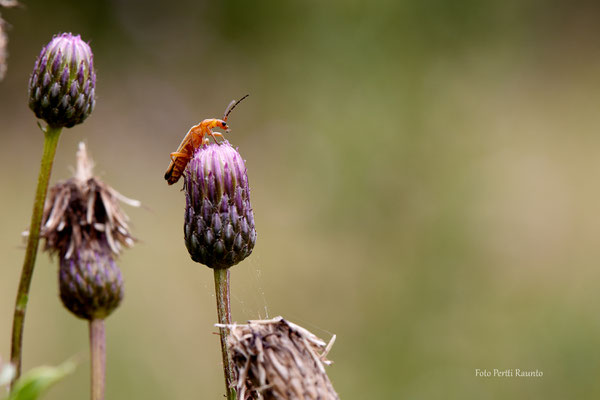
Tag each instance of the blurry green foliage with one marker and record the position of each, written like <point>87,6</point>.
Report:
<point>35,382</point>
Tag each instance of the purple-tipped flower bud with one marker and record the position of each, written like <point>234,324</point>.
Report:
<point>90,283</point>
<point>219,222</point>
<point>62,85</point>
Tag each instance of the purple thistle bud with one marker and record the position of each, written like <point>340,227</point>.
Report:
<point>219,222</point>
<point>64,67</point>
<point>90,283</point>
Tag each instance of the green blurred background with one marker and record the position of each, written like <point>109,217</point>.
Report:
<point>424,174</point>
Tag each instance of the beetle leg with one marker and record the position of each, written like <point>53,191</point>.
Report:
<point>217,134</point>
<point>212,134</point>
<point>176,155</point>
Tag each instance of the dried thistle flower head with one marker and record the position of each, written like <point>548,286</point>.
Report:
<point>83,223</point>
<point>62,85</point>
<point>84,209</point>
<point>276,359</point>
<point>219,222</point>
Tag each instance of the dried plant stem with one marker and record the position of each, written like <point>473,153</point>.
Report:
<point>51,141</point>
<point>222,288</point>
<point>98,358</point>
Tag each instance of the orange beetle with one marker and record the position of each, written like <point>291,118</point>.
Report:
<point>197,136</point>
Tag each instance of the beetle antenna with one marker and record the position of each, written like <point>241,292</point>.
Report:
<point>231,106</point>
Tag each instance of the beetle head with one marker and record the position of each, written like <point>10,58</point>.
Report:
<point>223,125</point>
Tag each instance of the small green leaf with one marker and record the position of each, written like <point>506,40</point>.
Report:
<point>36,381</point>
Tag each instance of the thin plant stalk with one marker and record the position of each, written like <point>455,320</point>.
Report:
<point>98,358</point>
<point>50,143</point>
<point>222,289</point>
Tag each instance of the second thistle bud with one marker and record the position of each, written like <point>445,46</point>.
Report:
<point>219,222</point>
<point>90,283</point>
<point>62,85</point>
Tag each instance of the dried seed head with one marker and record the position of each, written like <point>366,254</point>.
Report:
<point>85,212</point>
<point>62,85</point>
<point>83,223</point>
<point>219,222</point>
<point>90,283</point>
<point>276,359</point>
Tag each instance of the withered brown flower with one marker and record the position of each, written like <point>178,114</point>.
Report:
<point>83,209</point>
<point>277,359</point>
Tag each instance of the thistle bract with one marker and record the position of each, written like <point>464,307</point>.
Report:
<point>90,283</point>
<point>62,85</point>
<point>219,222</point>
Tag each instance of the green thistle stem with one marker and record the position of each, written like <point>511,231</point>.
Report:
<point>51,141</point>
<point>98,358</point>
<point>222,287</point>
